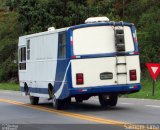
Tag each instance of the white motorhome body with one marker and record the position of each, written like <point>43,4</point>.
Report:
<point>80,61</point>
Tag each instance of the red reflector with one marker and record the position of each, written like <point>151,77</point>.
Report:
<point>136,53</point>
<point>80,90</point>
<point>74,57</point>
<point>71,42</point>
<point>135,39</point>
<point>79,78</point>
<point>135,86</point>
<point>133,75</point>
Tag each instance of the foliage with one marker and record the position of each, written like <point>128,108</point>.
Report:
<point>145,15</point>
<point>20,17</point>
<point>9,32</point>
<point>37,16</point>
<point>146,92</point>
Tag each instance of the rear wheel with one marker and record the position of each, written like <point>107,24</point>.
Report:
<point>34,100</point>
<point>113,100</point>
<point>104,100</point>
<point>56,103</point>
<point>108,100</point>
<point>78,100</point>
<point>60,104</point>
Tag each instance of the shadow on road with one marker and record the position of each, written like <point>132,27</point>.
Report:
<point>85,106</point>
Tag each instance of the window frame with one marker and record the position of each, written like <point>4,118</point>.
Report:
<point>22,59</point>
<point>28,50</point>
<point>62,46</point>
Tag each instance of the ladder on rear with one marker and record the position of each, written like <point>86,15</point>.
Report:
<point>121,64</point>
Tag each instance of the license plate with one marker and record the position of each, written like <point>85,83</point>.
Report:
<point>106,75</point>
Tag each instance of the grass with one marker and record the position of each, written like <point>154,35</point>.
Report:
<point>146,91</point>
<point>9,86</point>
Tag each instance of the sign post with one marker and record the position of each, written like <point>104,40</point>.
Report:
<point>154,70</point>
<point>153,87</point>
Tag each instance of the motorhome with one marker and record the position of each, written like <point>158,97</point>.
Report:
<point>98,58</point>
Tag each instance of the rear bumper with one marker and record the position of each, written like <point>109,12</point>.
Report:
<point>119,89</point>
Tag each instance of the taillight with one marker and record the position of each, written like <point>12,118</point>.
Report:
<point>79,78</point>
<point>133,75</point>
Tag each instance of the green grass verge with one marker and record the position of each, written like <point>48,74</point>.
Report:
<point>146,91</point>
<point>9,86</point>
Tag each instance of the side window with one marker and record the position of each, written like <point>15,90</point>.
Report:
<point>22,58</point>
<point>62,45</point>
<point>28,49</point>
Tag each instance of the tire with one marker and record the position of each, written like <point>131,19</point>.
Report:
<point>113,98</point>
<point>50,91</point>
<point>26,89</point>
<point>61,104</point>
<point>104,100</point>
<point>34,100</point>
<point>78,100</point>
<point>108,100</point>
<point>56,103</point>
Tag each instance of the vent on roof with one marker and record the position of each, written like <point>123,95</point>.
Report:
<point>96,19</point>
<point>51,29</point>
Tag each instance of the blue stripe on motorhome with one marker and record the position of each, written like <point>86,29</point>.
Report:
<point>70,34</point>
<point>105,55</point>
<point>69,47</point>
<point>102,24</point>
<point>60,75</point>
<point>65,92</point>
<point>69,54</point>
<point>97,89</point>
<point>106,89</point>
<point>36,90</point>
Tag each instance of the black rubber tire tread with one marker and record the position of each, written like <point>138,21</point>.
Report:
<point>78,100</point>
<point>61,104</point>
<point>34,100</point>
<point>26,89</point>
<point>103,101</point>
<point>50,91</point>
<point>113,98</point>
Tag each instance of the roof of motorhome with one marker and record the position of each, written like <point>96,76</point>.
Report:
<point>112,23</point>
<point>44,33</point>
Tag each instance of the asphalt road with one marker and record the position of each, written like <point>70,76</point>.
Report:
<point>17,113</point>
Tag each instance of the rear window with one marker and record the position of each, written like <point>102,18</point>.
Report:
<point>99,40</point>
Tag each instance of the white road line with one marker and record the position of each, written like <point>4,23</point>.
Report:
<point>6,92</point>
<point>125,103</point>
<point>9,91</point>
<point>156,100</point>
<point>152,106</point>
